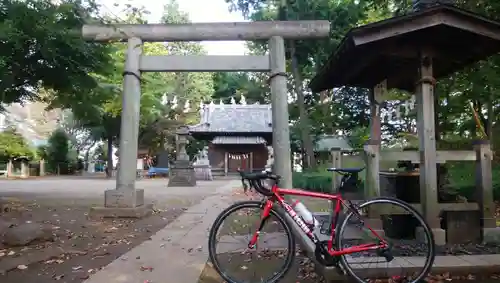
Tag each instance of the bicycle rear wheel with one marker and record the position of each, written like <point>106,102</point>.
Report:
<point>401,266</point>
<point>228,226</point>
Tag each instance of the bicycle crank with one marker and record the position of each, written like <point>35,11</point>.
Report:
<point>322,255</point>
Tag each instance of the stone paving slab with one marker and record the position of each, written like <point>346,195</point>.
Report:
<point>475,264</point>
<point>177,253</point>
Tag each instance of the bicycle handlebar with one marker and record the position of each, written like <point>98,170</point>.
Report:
<point>255,180</point>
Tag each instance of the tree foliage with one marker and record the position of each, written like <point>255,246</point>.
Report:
<point>58,150</point>
<point>13,145</point>
<point>42,49</point>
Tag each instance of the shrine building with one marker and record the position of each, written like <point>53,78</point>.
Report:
<point>238,135</point>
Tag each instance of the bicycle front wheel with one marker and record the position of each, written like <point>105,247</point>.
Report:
<point>268,261</point>
<point>409,255</point>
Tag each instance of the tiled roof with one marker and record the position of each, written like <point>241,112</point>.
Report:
<point>234,118</point>
<point>238,140</point>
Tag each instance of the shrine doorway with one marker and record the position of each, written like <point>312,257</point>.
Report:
<point>235,160</point>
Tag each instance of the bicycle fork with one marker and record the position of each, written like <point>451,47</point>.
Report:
<point>266,211</point>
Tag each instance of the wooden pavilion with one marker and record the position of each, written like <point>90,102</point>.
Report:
<point>410,52</point>
<point>238,136</point>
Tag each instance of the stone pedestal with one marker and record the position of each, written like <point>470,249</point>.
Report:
<point>182,174</point>
<point>203,172</point>
<point>182,171</point>
<point>123,203</point>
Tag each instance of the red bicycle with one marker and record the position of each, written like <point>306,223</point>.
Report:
<point>334,251</point>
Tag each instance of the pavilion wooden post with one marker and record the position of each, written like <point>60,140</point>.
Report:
<point>484,191</point>
<point>125,195</point>
<point>336,163</point>
<point>427,148</point>
<point>372,147</point>
<point>372,154</point>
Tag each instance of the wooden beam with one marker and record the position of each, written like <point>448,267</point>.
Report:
<point>420,23</point>
<point>388,31</point>
<point>474,27</point>
<point>208,31</point>
<point>442,155</point>
<point>454,206</point>
<point>200,63</point>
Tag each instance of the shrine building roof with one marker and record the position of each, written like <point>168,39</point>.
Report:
<point>389,49</point>
<point>234,118</point>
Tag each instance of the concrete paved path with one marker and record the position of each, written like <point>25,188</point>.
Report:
<point>177,253</point>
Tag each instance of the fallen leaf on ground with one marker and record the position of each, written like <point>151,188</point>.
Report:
<point>146,268</point>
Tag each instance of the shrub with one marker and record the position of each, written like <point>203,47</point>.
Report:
<point>316,181</point>
<point>463,179</point>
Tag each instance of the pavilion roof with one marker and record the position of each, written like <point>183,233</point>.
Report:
<point>389,49</point>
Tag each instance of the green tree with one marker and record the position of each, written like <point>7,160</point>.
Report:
<point>13,145</point>
<point>58,152</point>
<point>309,111</point>
<point>161,118</point>
<point>41,50</point>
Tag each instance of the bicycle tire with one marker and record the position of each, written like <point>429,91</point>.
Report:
<point>427,230</point>
<point>250,204</point>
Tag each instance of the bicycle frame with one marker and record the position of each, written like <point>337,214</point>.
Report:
<point>277,197</point>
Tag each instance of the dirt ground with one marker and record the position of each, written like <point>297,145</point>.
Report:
<point>81,246</point>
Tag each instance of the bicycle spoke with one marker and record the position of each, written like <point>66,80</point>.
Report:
<point>261,264</point>
<point>366,265</point>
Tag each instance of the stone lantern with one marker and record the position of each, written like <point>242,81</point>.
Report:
<point>182,172</point>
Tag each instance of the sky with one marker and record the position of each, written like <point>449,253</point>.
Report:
<point>199,11</point>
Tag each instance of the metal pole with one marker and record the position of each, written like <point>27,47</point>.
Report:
<point>130,117</point>
<point>279,103</point>
<point>208,31</point>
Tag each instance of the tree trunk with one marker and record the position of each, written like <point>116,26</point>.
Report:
<point>109,171</point>
<point>304,120</point>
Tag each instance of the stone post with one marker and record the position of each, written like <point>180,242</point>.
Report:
<point>484,191</point>
<point>182,172</point>
<point>9,168</point>
<point>125,200</point>
<point>42,167</point>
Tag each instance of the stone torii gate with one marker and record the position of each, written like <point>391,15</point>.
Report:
<point>127,201</point>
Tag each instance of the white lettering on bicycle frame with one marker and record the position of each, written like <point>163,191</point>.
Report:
<point>297,218</point>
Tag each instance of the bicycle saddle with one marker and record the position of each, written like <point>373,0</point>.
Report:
<point>346,170</point>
